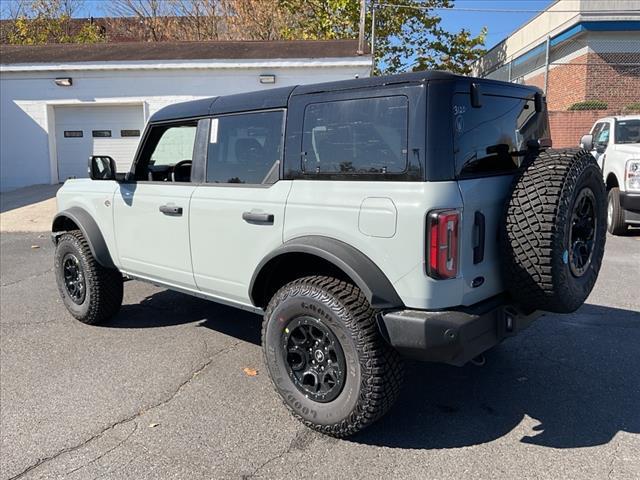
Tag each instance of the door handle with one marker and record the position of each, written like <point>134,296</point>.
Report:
<point>254,217</point>
<point>171,210</point>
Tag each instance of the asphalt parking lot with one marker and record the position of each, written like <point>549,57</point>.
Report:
<point>160,392</point>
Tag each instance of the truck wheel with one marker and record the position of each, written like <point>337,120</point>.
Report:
<point>90,292</point>
<point>615,213</point>
<point>555,230</point>
<point>326,356</point>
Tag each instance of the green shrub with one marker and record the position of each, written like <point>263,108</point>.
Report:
<point>633,107</point>
<point>589,105</point>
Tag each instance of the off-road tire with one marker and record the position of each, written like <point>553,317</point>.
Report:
<point>615,213</point>
<point>103,286</point>
<point>374,369</point>
<point>536,233</point>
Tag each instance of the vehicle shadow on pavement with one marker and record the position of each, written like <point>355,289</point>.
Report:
<point>169,308</point>
<point>577,377</point>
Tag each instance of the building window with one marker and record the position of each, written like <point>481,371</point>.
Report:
<point>100,133</point>
<point>73,134</point>
<point>129,133</point>
<point>361,136</point>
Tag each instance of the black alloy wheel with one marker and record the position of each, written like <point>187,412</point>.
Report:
<point>314,358</point>
<point>582,235</point>
<point>74,280</point>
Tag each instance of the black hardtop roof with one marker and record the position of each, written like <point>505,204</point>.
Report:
<point>279,97</point>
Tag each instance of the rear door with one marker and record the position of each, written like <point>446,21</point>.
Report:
<point>237,215</point>
<point>488,145</point>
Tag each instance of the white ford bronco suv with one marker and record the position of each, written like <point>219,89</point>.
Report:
<point>416,215</point>
<point>615,143</point>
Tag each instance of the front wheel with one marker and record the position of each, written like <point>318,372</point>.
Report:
<point>90,292</point>
<point>326,356</point>
<point>615,213</point>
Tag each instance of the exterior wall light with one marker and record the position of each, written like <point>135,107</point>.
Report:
<point>267,79</point>
<point>64,82</point>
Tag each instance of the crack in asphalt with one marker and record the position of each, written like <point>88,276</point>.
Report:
<point>30,277</point>
<point>106,452</point>
<point>41,461</point>
<point>301,441</point>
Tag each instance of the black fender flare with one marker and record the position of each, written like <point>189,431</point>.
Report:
<point>89,229</point>
<point>368,277</point>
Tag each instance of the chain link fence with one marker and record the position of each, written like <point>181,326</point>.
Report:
<point>585,77</point>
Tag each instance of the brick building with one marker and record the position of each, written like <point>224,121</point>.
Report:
<point>577,51</point>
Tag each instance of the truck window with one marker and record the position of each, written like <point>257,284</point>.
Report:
<point>245,148</point>
<point>356,136</point>
<point>628,131</point>
<point>490,140</point>
<point>168,153</point>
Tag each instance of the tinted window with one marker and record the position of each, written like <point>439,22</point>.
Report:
<point>491,139</point>
<point>356,136</point>
<point>245,148</point>
<point>628,131</point>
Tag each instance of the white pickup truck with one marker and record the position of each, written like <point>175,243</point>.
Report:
<point>615,143</point>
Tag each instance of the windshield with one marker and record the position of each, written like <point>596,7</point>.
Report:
<point>628,131</point>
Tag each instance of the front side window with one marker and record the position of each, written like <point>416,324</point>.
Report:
<point>359,136</point>
<point>245,148</point>
<point>168,153</point>
<point>602,138</point>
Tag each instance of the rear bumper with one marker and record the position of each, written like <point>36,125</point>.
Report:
<point>453,336</point>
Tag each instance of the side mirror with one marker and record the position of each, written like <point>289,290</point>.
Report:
<point>102,167</point>
<point>586,142</point>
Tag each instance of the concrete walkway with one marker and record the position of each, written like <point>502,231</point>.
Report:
<point>28,209</point>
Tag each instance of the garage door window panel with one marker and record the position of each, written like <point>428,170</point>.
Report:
<point>245,148</point>
<point>168,153</point>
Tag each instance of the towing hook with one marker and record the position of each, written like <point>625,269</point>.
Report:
<point>479,361</point>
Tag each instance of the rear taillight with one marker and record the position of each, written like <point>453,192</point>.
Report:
<point>442,243</point>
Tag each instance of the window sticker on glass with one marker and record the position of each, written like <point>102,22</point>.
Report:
<point>213,135</point>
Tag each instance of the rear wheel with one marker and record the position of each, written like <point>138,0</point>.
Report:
<point>90,292</point>
<point>615,213</point>
<point>326,356</point>
<point>554,233</point>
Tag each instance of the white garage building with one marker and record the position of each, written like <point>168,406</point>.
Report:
<point>61,103</point>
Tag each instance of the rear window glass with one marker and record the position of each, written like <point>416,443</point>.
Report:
<point>356,136</point>
<point>490,140</point>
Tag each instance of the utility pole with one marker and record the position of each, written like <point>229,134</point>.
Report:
<point>363,16</point>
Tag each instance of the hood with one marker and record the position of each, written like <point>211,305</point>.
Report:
<point>632,149</point>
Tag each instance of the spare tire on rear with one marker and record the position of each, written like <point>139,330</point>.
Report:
<point>554,231</point>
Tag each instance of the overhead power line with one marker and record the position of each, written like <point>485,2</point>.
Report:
<point>499,10</point>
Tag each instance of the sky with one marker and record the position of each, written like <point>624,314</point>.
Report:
<point>499,24</point>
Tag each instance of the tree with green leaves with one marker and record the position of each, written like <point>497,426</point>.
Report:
<point>408,33</point>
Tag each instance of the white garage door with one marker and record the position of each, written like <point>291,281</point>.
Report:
<point>96,130</point>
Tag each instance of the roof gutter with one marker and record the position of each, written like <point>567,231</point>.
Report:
<point>356,61</point>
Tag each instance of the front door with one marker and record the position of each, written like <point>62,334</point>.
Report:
<point>237,215</point>
<point>151,214</point>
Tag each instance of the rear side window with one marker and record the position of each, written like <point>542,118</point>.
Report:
<point>356,136</point>
<point>245,148</point>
